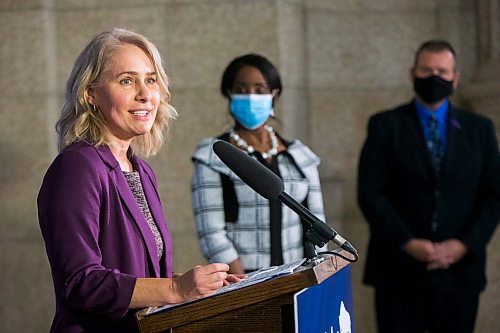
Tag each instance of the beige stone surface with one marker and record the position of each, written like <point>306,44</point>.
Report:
<point>292,65</point>
<point>23,162</point>
<point>356,229</point>
<point>25,286</point>
<point>489,305</point>
<point>106,4</point>
<point>291,40</point>
<point>15,5</point>
<point>371,6</point>
<point>28,99</point>
<point>482,94</point>
<point>459,27</point>
<point>200,45</point>
<point>339,119</point>
<point>292,110</point>
<point>75,27</point>
<point>24,63</point>
<point>341,61</point>
<point>364,50</point>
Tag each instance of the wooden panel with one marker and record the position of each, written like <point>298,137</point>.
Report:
<point>261,317</point>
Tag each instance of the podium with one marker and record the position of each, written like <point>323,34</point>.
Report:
<point>268,306</point>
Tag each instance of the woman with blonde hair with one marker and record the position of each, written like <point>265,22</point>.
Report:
<point>106,237</point>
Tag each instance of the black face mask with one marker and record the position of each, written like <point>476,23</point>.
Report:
<point>432,89</point>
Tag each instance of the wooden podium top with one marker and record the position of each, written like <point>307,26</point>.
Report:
<point>214,305</point>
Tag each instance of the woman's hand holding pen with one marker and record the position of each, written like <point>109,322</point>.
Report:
<point>202,281</point>
<point>199,282</point>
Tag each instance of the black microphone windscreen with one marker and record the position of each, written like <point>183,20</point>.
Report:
<point>254,174</point>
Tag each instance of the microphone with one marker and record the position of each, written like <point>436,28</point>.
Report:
<point>270,186</point>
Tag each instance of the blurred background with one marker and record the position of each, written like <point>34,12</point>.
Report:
<point>340,61</point>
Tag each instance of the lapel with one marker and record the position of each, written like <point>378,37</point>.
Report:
<point>154,203</point>
<point>454,142</point>
<point>416,133</point>
<point>131,205</point>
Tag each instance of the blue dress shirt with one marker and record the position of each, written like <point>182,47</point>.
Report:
<point>424,114</point>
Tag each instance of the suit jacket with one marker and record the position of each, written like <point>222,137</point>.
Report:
<point>402,199</point>
<point>98,241</point>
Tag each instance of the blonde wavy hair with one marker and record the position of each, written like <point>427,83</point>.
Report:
<point>80,122</point>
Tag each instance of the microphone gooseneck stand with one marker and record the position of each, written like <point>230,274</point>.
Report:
<point>312,256</point>
<point>317,233</point>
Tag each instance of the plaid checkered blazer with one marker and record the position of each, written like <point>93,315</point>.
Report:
<point>248,238</point>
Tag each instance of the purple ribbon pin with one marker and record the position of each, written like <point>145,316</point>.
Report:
<point>455,123</point>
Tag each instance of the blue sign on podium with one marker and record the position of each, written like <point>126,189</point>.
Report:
<point>326,307</point>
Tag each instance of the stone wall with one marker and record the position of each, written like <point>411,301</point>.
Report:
<point>340,62</point>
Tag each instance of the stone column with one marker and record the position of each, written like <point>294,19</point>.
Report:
<point>483,94</point>
<point>28,62</point>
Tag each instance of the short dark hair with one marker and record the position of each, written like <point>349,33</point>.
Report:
<point>267,69</point>
<point>434,45</point>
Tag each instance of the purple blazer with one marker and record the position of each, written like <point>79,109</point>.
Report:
<point>98,241</point>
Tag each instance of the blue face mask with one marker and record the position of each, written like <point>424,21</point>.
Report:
<point>251,110</point>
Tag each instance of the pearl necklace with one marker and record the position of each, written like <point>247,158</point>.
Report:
<point>241,143</point>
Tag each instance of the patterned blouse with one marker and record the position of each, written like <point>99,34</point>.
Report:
<point>134,182</point>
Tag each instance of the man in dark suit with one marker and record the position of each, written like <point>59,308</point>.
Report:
<point>429,187</point>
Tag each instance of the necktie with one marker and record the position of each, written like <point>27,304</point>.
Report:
<point>434,144</point>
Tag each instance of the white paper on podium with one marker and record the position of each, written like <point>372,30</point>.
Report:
<point>261,275</point>
<point>255,277</point>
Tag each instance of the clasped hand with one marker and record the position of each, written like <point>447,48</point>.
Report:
<point>436,255</point>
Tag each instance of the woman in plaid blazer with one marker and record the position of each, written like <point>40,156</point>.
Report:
<point>236,225</point>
